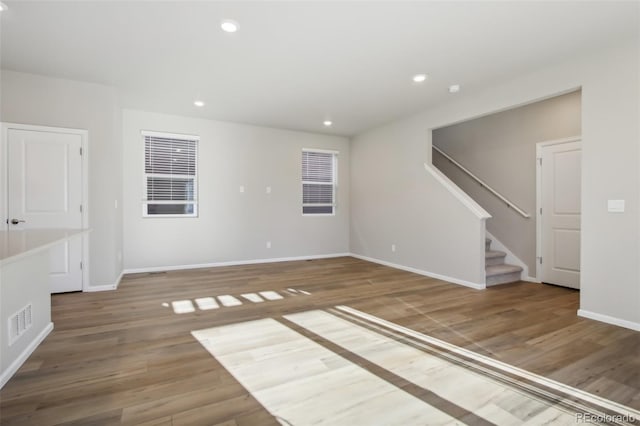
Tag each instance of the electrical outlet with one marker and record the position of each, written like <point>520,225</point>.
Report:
<point>393,247</point>
<point>615,206</point>
<point>241,188</point>
<point>268,244</point>
<point>268,190</point>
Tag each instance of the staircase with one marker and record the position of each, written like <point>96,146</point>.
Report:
<point>498,272</point>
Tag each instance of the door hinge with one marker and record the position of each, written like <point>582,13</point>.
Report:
<point>540,160</point>
<point>80,150</point>
<point>540,258</point>
<point>80,208</point>
<point>540,211</point>
<point>80,265</point>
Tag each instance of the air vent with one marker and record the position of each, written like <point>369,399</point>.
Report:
<point>19,323</point>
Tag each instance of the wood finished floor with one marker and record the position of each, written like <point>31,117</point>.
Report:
<point>123,358</point>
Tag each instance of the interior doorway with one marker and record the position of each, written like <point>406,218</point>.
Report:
<point>559,212</point>
<point>45,188</point>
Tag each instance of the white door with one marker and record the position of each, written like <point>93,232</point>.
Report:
<point>44,190</point>
<point>560,181</point>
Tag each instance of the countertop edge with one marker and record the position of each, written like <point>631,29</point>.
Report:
<point>70,233</point>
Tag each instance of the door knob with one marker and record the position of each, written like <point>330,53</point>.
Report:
<point>17,221</point>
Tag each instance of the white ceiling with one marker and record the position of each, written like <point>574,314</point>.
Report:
<point>294,64</point>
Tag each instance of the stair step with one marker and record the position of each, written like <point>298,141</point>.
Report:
<point>487,244</point>
<point>494,257</point>
<point>502,269</point>
<point>502,274</point>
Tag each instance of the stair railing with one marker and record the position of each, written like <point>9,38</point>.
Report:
<point>483,183</point>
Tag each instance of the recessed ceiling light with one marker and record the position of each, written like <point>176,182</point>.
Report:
<point>198,103</point>
<point>3,7</point>
<point>229,26</point>
<point>454,88</point>
<point>419,78</point>
<point>327,123</point>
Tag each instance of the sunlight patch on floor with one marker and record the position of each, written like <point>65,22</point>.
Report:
<point>228,301</point>
<point>302,383</point>
<point>206,303</point>
<point>271,295</point>
<point>319,367</point>
<point>487,398</point>
<point>182,306</point>
<point>253,297</point>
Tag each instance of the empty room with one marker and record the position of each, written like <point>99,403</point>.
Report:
<point>319,212</point>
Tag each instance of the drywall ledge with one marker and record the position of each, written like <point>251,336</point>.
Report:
<point>476,286</point>
<point>458,193</point>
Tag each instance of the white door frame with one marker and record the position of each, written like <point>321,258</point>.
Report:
<point>4,187</point>
<point>539,147</point>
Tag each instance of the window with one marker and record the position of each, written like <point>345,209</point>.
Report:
<point>319,180</point>
<point>170,175</point>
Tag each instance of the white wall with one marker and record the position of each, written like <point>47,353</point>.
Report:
<point>501,150</point>
<point>38,100</point>
<point>610,130</point>
<point>395,202</point>
<point>23,281</point>
<point>232,226</point>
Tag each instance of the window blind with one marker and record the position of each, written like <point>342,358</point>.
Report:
<point>318,182</point>
<point>170,168</point>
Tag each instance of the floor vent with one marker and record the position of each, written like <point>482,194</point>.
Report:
<point>19,323</point>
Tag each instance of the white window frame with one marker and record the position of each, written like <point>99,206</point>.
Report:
<point>145,201</point>
<point>334,205</point>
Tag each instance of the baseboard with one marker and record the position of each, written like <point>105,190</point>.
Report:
<point>15,365</point>
<point>106,287</point>
<point>609,320</point>
<point>422,272</point>
<point>531,279</point>
<point>231,263</point>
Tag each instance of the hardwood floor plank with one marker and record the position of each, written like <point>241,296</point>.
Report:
<point>224,412</point>
<point>126,357</point>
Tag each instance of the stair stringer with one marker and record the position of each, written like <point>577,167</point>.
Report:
<point>511,258</point>
<point>473,207</point>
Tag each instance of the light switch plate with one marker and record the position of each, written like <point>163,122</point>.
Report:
<point>615,206</point>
